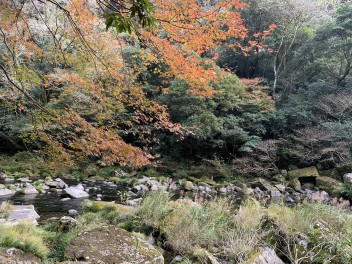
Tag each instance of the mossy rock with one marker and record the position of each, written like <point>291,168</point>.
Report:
<point>328,184</point>
<point>209,181</point>
<point>305,172</point>
<point>188,185</point>
<point>110,244</point>
<point>295,184</point>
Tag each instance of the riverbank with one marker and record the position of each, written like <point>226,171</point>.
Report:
<point>183,216</point>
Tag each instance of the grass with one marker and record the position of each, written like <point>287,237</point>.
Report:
<point>326,229</point>
<point>5,209</point>
<point>195,230</point>
<point>25,237</point>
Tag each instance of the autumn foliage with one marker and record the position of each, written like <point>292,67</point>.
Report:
<point>87,98</point>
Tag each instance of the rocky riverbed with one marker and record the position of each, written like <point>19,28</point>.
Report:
<point>59,200</point>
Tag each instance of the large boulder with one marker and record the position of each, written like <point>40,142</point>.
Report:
<point>265,256</point>
<point>110,244</point>
<point>76,192</point>
<point>22,214</point>
<point>5,192</point>
<point>328,184</point>
<point>305,172</point>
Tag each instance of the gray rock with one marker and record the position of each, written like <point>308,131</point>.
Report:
<point>25,180</point>
<point>266,256</point>
<point>9,179</point>
<point>172,186</point>
<point>262,184</point>
<point>80,186</point>
<point>320,197</point>
<point>141,187</point>
<point>176,259</point>
<point>143,180</point>
<point>134,202</point>
<point>65,199</point>
<point>4,192</point>
<point>289,200</point>
<point>76,192</point>
<point>274,193</point>
<point>280,187</point>
<point>347,179</point>
<point>223,190</point>
<point>154,188</point>
<point>30,189</point>
<point>72,212</point>
<point>60,183</point>
<point>201,188</point>
<point>22,213</point>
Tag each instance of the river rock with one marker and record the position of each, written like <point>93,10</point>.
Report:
<point>76,192</point>
<point>60,183</point>
<point>9,180</point>
<point>14,255</point>
<point>262,184</point>
<point>347,179</point>
<point>72,212</point>
<point>265,256</point>
<point>5,192</point>
<point>328,184</point>
<point>110,244</point>
<point>24,180</point>
<point>22,213</point>
<point>320,197</point>
<point>280,187</point>
<point>188,185</point>
<point>274,193</point>
<point>223,190</point>
<point>30,189</point>
<point>134,202</point>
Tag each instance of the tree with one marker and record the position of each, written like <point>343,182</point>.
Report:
<point>69,78</point>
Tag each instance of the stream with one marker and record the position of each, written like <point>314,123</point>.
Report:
<point>49,204</point>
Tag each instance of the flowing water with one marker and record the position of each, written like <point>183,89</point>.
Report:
<point>49,204</point>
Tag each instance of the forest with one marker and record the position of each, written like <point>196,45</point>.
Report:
<point>220,130</point>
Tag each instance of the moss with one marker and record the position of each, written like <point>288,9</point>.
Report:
<point>305,172</point>
<point>328,184</point>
